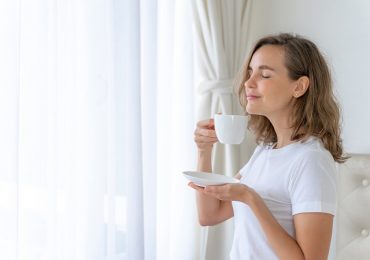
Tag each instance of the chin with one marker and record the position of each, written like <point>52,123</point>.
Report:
<point>251,111</point>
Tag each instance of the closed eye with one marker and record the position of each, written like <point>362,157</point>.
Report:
<point>264,71</point>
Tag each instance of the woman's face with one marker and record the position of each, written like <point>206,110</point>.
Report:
<point>269,90</point>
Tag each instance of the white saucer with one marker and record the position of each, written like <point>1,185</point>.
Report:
<point>203,179</point>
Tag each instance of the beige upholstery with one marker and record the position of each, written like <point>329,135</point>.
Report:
<point>353,216</point>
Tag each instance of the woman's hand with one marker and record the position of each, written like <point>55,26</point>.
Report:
<point>228,192</point>
<point>205,135</point>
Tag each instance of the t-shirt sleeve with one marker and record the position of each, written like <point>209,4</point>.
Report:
<point>312,186</point>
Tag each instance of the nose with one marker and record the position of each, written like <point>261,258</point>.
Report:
<point>249,83</point>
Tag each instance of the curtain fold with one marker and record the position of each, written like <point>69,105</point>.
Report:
<point>148,95</point>
<point>130,79</point>
<point>221,45</point>
<point>177,236</point>
<point>97,118</point>
<point>58,124</point>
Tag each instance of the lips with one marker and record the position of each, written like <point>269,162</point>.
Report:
<point>252,97</point>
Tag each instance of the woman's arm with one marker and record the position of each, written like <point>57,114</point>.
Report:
<point>313,230</point>
<point>211,210</point>
<point>313,233</point>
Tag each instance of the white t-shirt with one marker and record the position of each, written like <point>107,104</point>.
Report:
<point>297,178</point>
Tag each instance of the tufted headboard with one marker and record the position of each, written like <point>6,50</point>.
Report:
<point>353,215</point>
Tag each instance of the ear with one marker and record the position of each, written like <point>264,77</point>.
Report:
<point>301,86</point>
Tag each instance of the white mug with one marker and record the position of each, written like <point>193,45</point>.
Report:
<point>230,129</point>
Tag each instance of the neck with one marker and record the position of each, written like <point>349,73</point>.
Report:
<point>283,132</point>
<point>283,140</point>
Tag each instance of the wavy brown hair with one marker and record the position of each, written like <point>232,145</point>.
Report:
<point>316,113</point>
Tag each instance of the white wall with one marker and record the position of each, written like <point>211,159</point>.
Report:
<point>341,29</point>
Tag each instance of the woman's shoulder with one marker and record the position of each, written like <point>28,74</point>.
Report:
<point>311,155</point>
<point>314,157</point>
<point>313,148</point>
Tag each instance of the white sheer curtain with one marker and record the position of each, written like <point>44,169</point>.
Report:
<point>57,171</point>
<point>96,125</point>
<point>157,127</point>
<point>169,100</point>
<point>221,47</point>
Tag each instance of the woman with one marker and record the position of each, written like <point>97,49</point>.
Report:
<point>284,205</point>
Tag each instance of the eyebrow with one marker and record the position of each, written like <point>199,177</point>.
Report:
<point>262,67</point>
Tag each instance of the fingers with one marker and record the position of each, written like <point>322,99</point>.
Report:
<point>205,139</point>
<point>205,132</point>
<point>234,192</point>
<point>213,191</point>
<point>203,190</point>
<point>209,189</point>
<point>215,188</point>
<point>204,136</point>
<point>208,124</point>
<point>221,192</point>
<point>195,187</point>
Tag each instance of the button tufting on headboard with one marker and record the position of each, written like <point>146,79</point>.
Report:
<point>353,215</point>
<point>365,232</point>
